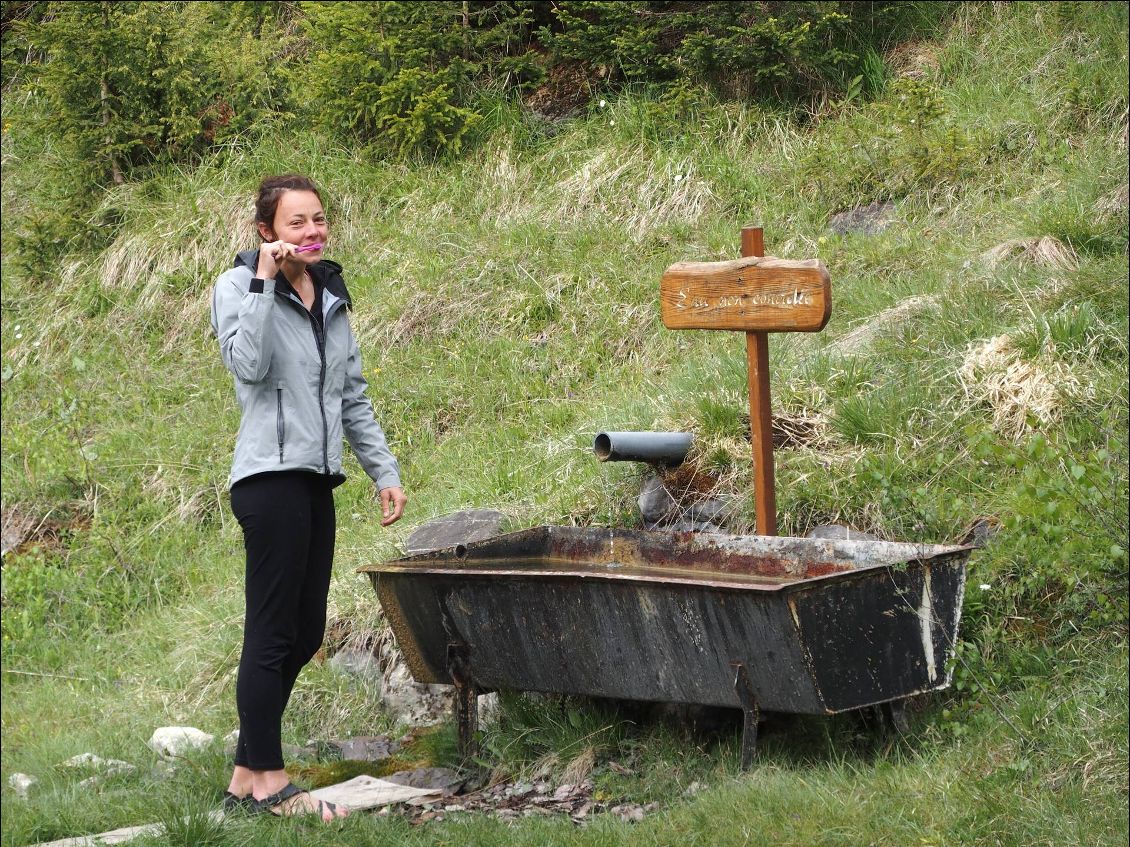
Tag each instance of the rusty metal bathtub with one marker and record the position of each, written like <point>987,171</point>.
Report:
<point>779,624</point>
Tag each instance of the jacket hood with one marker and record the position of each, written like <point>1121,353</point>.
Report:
<point>325,271</point>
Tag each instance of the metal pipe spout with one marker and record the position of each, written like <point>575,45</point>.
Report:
<point>668,448</point>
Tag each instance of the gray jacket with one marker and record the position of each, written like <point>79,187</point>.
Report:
<point>299,389</point>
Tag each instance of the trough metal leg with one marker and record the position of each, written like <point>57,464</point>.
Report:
<point>751,713</point>
<point>894,717</point>
<point>887,719</point>
<point>466,698</point>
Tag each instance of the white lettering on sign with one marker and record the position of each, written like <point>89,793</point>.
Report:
<point>739,301</point>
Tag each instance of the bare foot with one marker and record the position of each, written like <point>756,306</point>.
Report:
<point>293,801</point>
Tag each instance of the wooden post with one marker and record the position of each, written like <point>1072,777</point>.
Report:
<point>760,407</point>
<point>756,294</point>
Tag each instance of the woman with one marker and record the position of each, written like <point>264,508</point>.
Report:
<point>280,315</point>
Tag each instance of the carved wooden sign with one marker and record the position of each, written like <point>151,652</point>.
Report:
<point>754,294</point>
<point>757,294</point>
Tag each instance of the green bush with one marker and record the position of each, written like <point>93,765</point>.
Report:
<point>745,50</point>
<point>403,76</point>
<point>130,84</point>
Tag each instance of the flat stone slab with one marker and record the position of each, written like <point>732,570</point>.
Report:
<point>368,748</point>
<point>367,792</point>
<point>456,528</point>
<point>864,220</point>
<point>359,794</point>
<point>838,532</point>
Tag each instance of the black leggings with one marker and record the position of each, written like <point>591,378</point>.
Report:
<point>288,532</point>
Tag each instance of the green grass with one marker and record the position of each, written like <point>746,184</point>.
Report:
<point>507,311</point>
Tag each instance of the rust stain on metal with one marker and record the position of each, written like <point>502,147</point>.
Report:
<point>405,638</point>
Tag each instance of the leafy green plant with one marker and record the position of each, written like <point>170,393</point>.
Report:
<point>1062,553</point>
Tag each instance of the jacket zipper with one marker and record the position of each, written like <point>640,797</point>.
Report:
<point>319,342</point>
<point>280,421</point>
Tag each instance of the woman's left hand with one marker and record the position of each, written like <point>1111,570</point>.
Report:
<point>392,505</point>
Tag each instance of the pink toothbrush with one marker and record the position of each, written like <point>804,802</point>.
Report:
<point>308,248</point>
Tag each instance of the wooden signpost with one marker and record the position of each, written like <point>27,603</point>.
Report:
<point>756,294</point>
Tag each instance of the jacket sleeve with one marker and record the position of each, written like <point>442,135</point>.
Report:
<point>241,320</point>
<point>360,425</point>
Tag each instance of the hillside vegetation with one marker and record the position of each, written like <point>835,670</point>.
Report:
<point>974,372</point>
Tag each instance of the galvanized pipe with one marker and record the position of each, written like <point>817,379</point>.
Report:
<point>669,448</point>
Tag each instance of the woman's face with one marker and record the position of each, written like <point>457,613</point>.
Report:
<point>299,220</point>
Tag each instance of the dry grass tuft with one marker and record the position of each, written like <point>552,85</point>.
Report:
<point>607,187</point>
<point>802,430</point>
<point>1115,203</point>
<point>187,503</point>
<point>884,322</point>
<point>17,526</point>
<point>1020,393</point>
<point>426,315</point>
<point>580,767</point>
<point>915,59</point>
<point>1045,252</point>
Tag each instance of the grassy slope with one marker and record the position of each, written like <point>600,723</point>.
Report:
<point>507,309</point>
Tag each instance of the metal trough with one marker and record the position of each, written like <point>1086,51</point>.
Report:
<point>799,625</point>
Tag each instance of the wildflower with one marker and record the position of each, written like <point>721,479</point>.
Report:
<point>612,123</point>
<point>678,177</point>
<point>603,103</point>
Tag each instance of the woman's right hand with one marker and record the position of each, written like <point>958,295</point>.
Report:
<point>271,256</point>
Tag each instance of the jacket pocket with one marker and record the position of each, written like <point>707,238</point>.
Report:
<point>280,419</point>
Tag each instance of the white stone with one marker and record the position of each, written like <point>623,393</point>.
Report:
<point>83,760</point>
<point>21,784</point>
<point>107,767</point>
<point>413,703</point>
<point>173,741</point>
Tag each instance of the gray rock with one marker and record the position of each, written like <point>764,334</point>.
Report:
<point>369,748</point>
<point>410,702</point>
<point>836,532</point>
<point>707,510</point>
<point>456,528</point>
<point>656,503</point>
<point>864,220</point>
<point>696,526</point>
<point>982,532</point>
<point>488,708</point>
<point>293,751</point>
<point>174,741</point>
<point>444,779</point>
<point>21,784</point>
<point>354,662</point>
<point>628,812</point>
